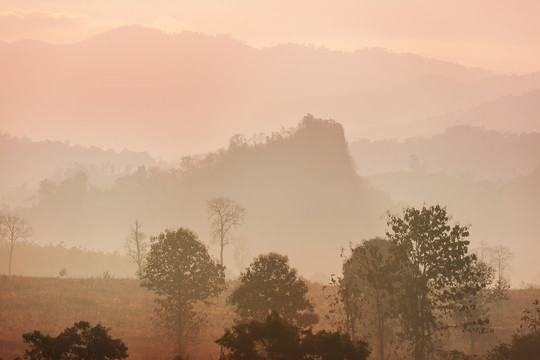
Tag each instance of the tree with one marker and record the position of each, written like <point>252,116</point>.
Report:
<point>274,338</point>
<point>501,260</point>
<point>472,310</point>
<point>12,228</point>
<point>369,274</point>
<point>346,305</point>
<point>435,268</point>
<point>136,246</point>
<point>181,273</point>
<point>80,342</point>
<point>225,215</point>
<point>269,284</point>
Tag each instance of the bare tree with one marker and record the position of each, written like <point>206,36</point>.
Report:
<point>225,215</point>
<point>501,260</point>
<point>136,246</point>
<point>13,227</point>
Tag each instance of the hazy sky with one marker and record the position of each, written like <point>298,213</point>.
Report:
<point>499,35</point>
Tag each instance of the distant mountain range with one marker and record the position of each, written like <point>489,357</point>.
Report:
<point>173,95</point>
<point>460,151</point>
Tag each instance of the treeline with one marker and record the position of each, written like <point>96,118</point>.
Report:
<point>25,163</point>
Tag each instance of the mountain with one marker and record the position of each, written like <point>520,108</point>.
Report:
<point>459,151</point>
<point>502,114</point>
<point>178,94</point>
<point>299,188</point>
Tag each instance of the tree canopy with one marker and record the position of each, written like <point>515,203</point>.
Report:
<point>79,342</point>
<point>274,338</point>
<point>270,284</point>
<point>435,271</point>
<point>181,273</point>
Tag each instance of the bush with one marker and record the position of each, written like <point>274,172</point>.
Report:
<point>276,339</point>
<point>80,342</point>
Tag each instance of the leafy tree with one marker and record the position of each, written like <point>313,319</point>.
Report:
<point>225,215</point>
<point>270,284</point>
<point>435,268</point>
<point>473,309</point>
<point>12,228</point>
<point>80,342</point>
<point>181,273</point>
<point>372,268</point>
<point>136,246</point>
<point>530,321</point>
<point>346,305</point>
<point>274,338</point>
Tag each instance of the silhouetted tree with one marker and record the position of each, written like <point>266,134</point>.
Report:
<point>345,304</point>
<point>80,342</point>
<point>472,310</point>
<point>530,321</point>
<point>270,284</point>
<point>435,269</point>
<point>369,274</point>
<point>136,246</point>
<point>12,228</point>
<point>225,215</point>
<point>274,338</point>
<point>181,273</point>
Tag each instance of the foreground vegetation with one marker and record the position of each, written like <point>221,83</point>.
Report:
<point>51,304</point>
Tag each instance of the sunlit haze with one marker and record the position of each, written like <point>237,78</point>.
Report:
<point>173,171</point>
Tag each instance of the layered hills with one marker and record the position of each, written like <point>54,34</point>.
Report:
<point>115,89</point>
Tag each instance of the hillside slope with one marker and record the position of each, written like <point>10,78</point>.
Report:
<point>299,188</point>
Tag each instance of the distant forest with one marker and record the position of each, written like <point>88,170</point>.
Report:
<point>299,186</point>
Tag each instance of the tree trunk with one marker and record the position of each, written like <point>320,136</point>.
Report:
<point>221,252</point>
<point>180,333</point>
<point>10,256</point>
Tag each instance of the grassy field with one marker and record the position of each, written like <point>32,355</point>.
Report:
<point>52,304</point>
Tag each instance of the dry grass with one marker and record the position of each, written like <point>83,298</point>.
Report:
<point>52,304</point>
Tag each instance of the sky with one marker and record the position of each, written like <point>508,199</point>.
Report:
<point>498,35</point>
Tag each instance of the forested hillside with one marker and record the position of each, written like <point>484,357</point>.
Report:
<point>25,163</point>
<point>298,187</point>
